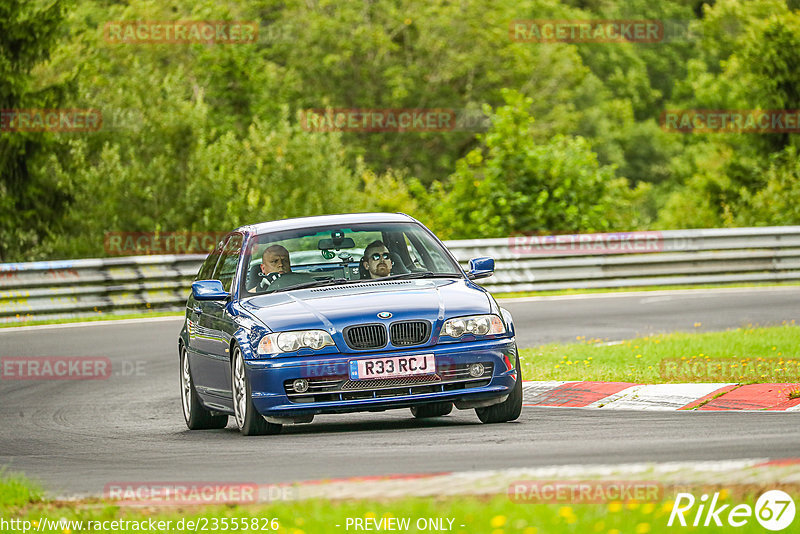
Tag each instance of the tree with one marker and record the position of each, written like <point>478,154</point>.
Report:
<point>31,204</point>
<point>748,58</point>
<point>434,54</point>
<point>514,184</point>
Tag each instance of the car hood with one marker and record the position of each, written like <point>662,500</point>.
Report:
<point>340,306</point>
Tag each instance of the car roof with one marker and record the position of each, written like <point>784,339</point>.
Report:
<point>325,220</point>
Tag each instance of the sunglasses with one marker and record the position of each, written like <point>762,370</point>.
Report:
<point>376,256</point>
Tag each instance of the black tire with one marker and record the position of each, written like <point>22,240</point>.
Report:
<point>509,409</point>
<point>435,409</point>
<point>249,421</point>
<point>195,414</point>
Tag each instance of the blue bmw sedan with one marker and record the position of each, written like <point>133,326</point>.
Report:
<point>342,313</point>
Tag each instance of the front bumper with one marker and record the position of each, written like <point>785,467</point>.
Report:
<point>332,391</point>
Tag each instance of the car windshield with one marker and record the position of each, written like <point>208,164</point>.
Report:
<point>294,259</point>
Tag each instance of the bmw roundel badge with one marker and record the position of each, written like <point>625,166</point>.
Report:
<point>384,315</point>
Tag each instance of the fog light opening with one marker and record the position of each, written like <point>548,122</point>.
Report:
<point>476,370</point>
<point>300,385</point>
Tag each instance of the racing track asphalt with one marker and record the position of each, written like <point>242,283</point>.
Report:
<point>628,315</point>
<point>78,436</point>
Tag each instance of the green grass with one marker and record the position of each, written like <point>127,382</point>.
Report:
<point>17,491</point>
<point>743,355</point>
<point>556,292</point>
<point>93,318</point>
<point>471,515</point>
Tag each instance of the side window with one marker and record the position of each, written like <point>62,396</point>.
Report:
<point>226,267</point>
<point>424,256</point>
<point>211,261</point>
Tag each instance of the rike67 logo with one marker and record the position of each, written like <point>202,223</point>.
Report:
<point>774,510</point>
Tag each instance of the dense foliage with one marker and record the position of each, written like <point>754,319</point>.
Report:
<point>206,137</point>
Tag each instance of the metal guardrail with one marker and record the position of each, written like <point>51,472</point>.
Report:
<point>93,287</point>
<point>672,257</point>
<point>80,288</point>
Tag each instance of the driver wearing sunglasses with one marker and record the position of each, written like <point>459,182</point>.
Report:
<point>377,261</point>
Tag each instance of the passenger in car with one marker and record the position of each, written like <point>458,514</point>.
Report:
<point>377,261</point>
<point>274,263</point>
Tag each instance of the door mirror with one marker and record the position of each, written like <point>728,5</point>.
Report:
<point>209,290</point>
<point>480,268</point>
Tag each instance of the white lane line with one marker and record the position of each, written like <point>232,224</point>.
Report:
<point>659,293</point>
<point>605,401</point>
<point>652,300</point>
<point>109,322</point>
<point>663,396</point>
<point>492,482</point>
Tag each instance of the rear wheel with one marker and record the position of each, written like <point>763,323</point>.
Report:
<point>249,421</point>
<point>435,409</point>
<point>195,414</point>
<point>509,409</point>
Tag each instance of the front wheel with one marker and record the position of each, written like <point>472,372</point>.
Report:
<point>509,409</point>
<point>249,421</point>
<point>195,414</point>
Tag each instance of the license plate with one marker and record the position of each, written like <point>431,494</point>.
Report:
<point>396,366</point>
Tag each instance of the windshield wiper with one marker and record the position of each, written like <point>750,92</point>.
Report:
<point>315,283</point>
<point>343,281</point>
<point>421,274</point>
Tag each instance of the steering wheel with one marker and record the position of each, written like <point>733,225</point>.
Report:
<point>289,279</point>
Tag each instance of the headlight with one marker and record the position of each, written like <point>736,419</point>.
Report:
<point>478,325</point>
<point>293,341</point>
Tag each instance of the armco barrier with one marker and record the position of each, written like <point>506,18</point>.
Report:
<point>81,288</point>
<point>78,288</point>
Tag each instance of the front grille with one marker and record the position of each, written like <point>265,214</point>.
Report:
<point>365,336</point>
<point>388,382</point>
<point>408,333</point>
<point>448,377</point>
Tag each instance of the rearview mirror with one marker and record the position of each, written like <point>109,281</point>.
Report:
<point>480,268</point>
<point>327,244</point>
<point>209,290</point>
